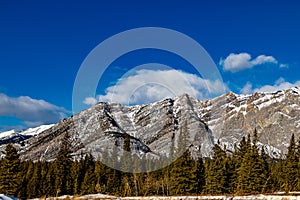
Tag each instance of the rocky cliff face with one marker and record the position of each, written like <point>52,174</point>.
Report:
<point>276,116</point>
<point>151,128</point>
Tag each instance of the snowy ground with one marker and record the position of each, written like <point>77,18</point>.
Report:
<point>6,197</point>
<point>250,197</point>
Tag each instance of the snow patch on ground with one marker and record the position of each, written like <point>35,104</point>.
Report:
<point>219,197</point>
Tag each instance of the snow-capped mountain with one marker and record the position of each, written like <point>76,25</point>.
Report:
<point>153,127</point>
<point>275,116</point>
<point>15,136</point>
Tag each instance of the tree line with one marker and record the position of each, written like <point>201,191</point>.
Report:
<point>247,170</point>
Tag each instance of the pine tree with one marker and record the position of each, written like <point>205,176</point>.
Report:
<point>165,182</point>
<point>183,178</point>
<point>34,178</point>
<point>113,176</point>
<point>89,182</point>
<point>50,187</point>
<point>126,158</point>
<point>244,179</point>
<point>259,170</point>
<point>236,161</point>
<point>216,172</point>
<point>231,174</point>
<point>252,174</point>
<point>298,165</point>
<point>291,167</point>
<point>277,178</point>
<point>183,175</point>
<point>100,176</point>
<point>200,174</point>
<point>10,179</point>
<point>62,166</point>
<point>266,176</point>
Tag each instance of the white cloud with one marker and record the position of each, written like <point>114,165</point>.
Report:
<point>90,101</point>
<point>241,61</point>
<point>32,112</point>
<point>284,66</point>
<point>279,84</point>
<point>147,86</point>
<point>247,89</point>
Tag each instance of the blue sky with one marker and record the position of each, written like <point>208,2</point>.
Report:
<point>255,45</point>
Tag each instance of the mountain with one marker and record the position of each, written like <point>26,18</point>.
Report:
<point>17,137</point>
<point>152,127</point>
<point>276,116</point>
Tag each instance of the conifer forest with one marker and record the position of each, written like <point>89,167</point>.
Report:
<point>247,170</point>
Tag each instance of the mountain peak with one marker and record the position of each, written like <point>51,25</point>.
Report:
<point>152,127</point>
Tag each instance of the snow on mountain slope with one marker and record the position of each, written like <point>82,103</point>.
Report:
<point>153,127</point>
<point>7,134</point>
<point>103,127</point>
<point>36,130</point>
<point>17,137</point>
<point>275,115</point>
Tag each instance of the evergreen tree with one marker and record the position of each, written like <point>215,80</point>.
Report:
<point>25,168</point>
<point>183,178</point>
<point>10,179</point>
<point>183,175</point>
<point>277,180</point>
<point>291,167</point>
<point>231,175</point>
<point>244,171</point>
<point>126,158</point>
<point>252,174</point>
<point>216,172</point>
<point>200,175</point>
<point>50,188</point>
<point>266,175</point>
<point>62,166</point>
<point>298,165</point>
<point>236,161</point>
<point>113,176</point>
<point>100,176</point>
<point>34,180</point>
<point>260,173</point>
<point>89,182</point>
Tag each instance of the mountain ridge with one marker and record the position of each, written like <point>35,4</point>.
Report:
<point>152,127</point>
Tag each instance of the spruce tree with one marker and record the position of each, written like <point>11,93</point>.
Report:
<point>216,172</point>
<point>183,175</point>
<point>33,176</point>
<point>62,166</point>
<point>200,175</point>
<point>277,178</point>
<point>252,174</point>
<point>183,178</point>
<point>260,171</point>
<point>266,176</point>
<point>50,187</point>
<point>10,179</point>
<point>113,176</point>
<point>89,182</point>
<point>291,167</point>
<point>23,192</point>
